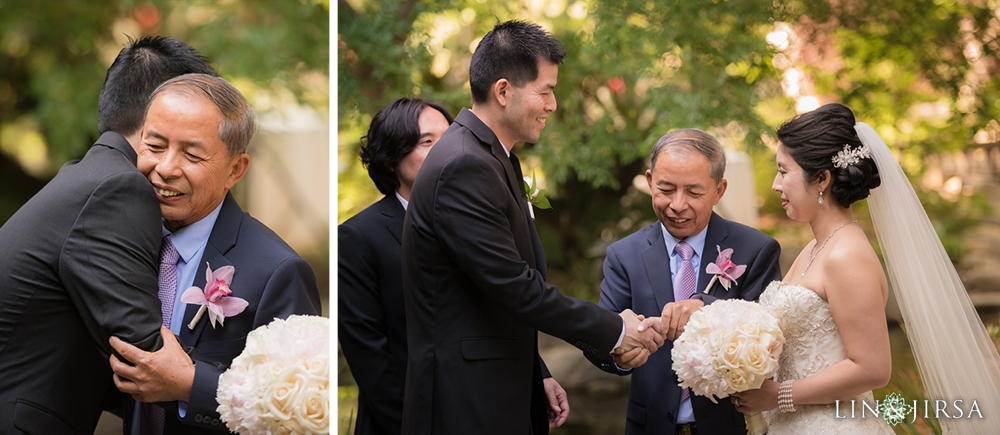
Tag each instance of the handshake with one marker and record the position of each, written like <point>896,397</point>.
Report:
<point>643,335</point>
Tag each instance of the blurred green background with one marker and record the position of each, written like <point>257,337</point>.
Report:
<point>54,56</point>
<point>922,72</point>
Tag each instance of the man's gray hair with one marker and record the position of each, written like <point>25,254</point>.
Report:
<point>239,123</point>
<point>693,139</point>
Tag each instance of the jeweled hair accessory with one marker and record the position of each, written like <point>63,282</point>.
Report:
<point>850,157</point>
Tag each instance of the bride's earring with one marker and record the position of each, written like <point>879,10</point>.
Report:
<point>820,197</point>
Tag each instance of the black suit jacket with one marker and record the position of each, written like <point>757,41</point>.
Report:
<point>475,297</point>
<point>77,265</point>
<point>637,276</point>
<point>371,315</point>
<point>372,329</point>
<point>275,281</point>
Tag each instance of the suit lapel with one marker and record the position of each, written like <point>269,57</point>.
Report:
<point>536,244</point>
<point>511,175</point>
<point>220,241</point>
<point>489,140</point>
<point>657,263</point>
<point>717,234</point>
<point>486,136</point>
<point>393,210</point>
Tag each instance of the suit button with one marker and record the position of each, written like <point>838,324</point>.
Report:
<point>670,416</point>
<point>197,418</point>
<point>215,422</point>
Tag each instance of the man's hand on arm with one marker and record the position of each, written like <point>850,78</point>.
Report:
<point>162,376</point>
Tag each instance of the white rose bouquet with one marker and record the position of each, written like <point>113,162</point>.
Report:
<point>280,384</point>
<point>727,347</point>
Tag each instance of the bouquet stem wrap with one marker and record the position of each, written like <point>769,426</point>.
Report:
<point>755,423</point>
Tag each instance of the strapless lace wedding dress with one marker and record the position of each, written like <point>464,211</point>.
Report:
<point>812,343</point>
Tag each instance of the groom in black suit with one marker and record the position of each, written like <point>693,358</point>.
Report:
<point>645,272</point>
<point>78,260</point>
<point>473,267</point>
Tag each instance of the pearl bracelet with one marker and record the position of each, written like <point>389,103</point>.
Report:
<point>785,397</point>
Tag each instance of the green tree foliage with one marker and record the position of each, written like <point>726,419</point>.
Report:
<point>634,71</point>
<point>920,71</point>
<point>54,56</point>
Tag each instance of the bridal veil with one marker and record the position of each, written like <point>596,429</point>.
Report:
<point>956,358</point>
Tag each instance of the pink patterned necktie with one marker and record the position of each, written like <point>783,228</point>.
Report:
<point>684,286</point>
<point>152,416</point>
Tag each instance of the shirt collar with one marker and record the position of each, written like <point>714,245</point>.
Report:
<point>402,201</point>
<point>189,239</point>
<point>696,241</point>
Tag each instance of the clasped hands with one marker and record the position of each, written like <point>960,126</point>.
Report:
<point>643,335</point>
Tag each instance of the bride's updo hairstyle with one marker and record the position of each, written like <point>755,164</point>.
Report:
<point>813,138</point>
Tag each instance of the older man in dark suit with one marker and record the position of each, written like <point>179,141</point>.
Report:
<point>78,261</point>
<point>660,269</point>
<point>193,151</point>
<point>473,267</point>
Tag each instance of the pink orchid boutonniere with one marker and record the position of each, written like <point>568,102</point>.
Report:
<point>216,298</point>
<point>724,269</point>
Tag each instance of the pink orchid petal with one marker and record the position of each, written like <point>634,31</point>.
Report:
<point>739,271</point>
<point>214,308</point>
<point>725,283</point>
<point>194,295</point>
<point>215,314</point>
<point>225,273</point>
<point>208,274</point>
<point>232,305</point>
<point>212,317</point>
<point>727,253</point>
<point>216,290</point>
<point>712,269</point>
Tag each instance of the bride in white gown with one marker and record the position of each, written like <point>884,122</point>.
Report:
<point>831,303</point>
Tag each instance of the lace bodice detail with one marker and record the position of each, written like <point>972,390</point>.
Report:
<point>812,340</point>
<point>812,344</point>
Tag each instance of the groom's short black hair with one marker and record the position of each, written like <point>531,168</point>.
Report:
<point>139,68</point>
<point>511,51</point>
<point>394,133</point>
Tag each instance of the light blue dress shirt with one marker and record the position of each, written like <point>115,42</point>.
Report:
<point>685,414</point>
<point>190,242</point>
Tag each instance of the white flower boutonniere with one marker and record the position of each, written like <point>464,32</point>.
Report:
<point>536,196</point>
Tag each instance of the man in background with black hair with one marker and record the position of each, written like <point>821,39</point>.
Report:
<point>371,318</point>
